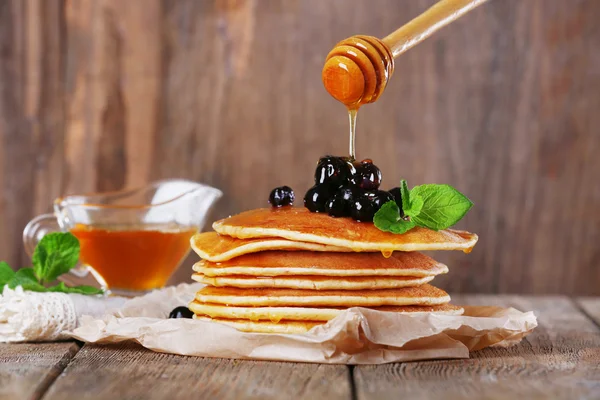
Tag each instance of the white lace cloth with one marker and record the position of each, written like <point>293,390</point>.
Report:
<point>30,316</point>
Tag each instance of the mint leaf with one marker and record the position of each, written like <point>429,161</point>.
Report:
<point>25,277</point>
<point>416,205</point>
<point>388,219</point>
<point>411,204</point>
<point>83,289</point>
<point>6,274</point>
<point>405,194</point>
<point>443,206</point>
<point>56,254</point>
<point>402,226</point>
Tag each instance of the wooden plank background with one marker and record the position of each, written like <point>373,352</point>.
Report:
<point>503,104</point>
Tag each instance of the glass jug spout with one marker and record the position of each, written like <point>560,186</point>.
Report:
<point>188,203</point>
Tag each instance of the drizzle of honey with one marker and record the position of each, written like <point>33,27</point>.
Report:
<point>275,319</point>
<point>467,251</point>
<point>387,253</point>
<point>352,112</point>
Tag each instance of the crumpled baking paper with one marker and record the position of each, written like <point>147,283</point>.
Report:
<point>357,336</point>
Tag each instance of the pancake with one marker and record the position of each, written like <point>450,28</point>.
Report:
<point>216,248</point>
<point>275,314</point>
<point>245,325</point>
<point>313,282</point>
<point>419,295</point>
<point>299,224</point>
<point>277,263</point>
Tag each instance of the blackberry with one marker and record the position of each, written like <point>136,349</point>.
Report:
<point>367,175</point>
<point>281,196</point>
<point>181,312</point>
<point>316,198</point>
<point>365,205</point>
<point>333,171</point>
<point>340,204</point>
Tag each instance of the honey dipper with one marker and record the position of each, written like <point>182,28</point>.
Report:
<point>358,68</point>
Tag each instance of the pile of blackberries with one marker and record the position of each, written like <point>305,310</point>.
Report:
<point>347,188</point>
<point>343,188</point>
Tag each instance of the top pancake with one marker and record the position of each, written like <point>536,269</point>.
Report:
<point>213,247</point>
<point>301,225</point>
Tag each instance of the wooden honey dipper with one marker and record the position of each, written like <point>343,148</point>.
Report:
<point>357,70</point>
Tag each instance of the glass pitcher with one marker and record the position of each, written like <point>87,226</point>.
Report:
<point>132,240</point>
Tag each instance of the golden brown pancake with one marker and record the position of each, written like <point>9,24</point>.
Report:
<point>313,282</point>
<point>245,325</point>
<point>299,224</point>
<point>276,314</point>
<point>276,263</point>
<point>419,295</point>
<point>214,247</point>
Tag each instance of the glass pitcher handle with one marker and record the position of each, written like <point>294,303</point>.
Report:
<point>36,229</point>
<point>40,226</point>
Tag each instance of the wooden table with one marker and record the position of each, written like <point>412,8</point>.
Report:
<point>560,360</point>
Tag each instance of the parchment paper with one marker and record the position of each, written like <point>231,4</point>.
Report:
<point>357,336</point>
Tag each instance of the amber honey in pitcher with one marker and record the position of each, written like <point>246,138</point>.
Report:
<point>133,257</point>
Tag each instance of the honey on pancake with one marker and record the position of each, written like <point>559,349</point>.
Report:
<point>132,258</point>
<point>387,253</point>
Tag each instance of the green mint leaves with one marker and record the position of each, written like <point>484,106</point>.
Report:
<point>443,206</point>
<point>56,254</point>
<point>82,289</point>
<point>410,205</point>
<point>388,219</point>
<point>6,273</point>
<point>430,206</point>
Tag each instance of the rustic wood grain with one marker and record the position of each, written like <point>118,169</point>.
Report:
<point>501,104</point>
<point>27,370</point>
<point>128,371</point>
<point>113,79</point>
<point>559,360</point>
<point>591,307</point>
<point>32,56</point>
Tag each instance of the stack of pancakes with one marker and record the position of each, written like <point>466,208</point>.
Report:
<point>287,270</point>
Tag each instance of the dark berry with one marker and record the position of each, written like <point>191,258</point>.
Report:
<point>365,205</point>
<point>281,196</point>
<point>340,204</point>
<point>333,171</point>
<point>362,209</point>
<point>398,197</point>
<point>316,198</point>
<point>181,312</point>
<point>380,197</point>
<point>367,176</point>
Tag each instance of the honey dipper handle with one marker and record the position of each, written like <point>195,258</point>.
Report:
<point>437,16</point>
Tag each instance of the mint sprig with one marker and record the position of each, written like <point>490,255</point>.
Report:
<point>56,254</point>
<point>430,206</point>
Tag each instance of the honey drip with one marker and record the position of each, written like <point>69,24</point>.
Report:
<point>387,253</point>
<point>275,318</point>
<point>352,120</point>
